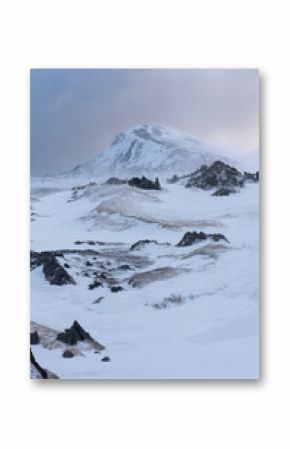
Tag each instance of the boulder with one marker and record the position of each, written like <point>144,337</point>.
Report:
<point>34,338</point>
<point>116,289</point>
<point>98,300</point>
<point>252,177</point>
<point>224,191</point>
<point>67,354</point>
<point>124,267</point>
<point>190,238</point>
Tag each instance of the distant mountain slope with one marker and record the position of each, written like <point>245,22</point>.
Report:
<point>150,149</point>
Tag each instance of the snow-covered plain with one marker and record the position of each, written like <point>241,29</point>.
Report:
<point>211,332</point>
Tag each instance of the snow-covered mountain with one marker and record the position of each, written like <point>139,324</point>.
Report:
<point>147,149</point>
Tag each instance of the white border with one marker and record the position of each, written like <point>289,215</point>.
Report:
<point>145,34</point>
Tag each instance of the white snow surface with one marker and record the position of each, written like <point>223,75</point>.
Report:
<point>150,149</point>
<point>211,333</point>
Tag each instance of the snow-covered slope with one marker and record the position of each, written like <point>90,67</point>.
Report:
<point>198,319</point>
<point>161,310</point>
<point>148,149</point>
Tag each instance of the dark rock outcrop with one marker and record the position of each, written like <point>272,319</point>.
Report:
<point>54,273</point>
<point>115,181</point>
<point>141,243</point>
<point>98,300</point>
<point>251,177</point>
<point>144,183</point>
<point>124,267</point>
<point>217,174</point>
<point>67,354</point>
<point>224,191</point>
<point>190,238</point>
<point>105,359</point>
<point>39,372</point>
<point>95,284</point>
<point>34,338</point>
<point>76,334</point>
<point>116,289</point>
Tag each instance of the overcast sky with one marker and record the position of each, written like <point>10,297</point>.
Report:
<point>77,113</point>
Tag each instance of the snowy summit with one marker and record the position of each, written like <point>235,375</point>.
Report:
<point>147,149</point>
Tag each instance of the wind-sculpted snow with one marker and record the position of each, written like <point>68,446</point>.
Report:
<point>160,310</point>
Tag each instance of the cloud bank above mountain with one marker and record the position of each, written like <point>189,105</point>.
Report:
<point>77,113</point>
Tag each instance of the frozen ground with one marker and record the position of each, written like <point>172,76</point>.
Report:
<point>211,331</point>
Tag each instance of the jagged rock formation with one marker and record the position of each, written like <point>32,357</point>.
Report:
<point>190,238</point>
<point>76,334</point>
<point>54,273</point>
<point>144,183</point>
<point>217,174</point>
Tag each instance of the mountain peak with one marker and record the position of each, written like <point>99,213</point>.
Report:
<point>149,149</point>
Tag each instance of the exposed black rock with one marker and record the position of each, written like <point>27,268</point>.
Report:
<point>141,243</point>
<point>224,191</point>
<point>36,365</point>
<point>67,354</point>
<point>89,264</point>
<point>66,265</point>
<point>98,300</point>
<point>190,238</point>
<point>75,334</point>
<point>105,359</point>
<point>116,289</point>
<point>34,338</point>
<point>144,183</point>
<point>115,181</point>
<point>95,284</point>
<point>89,242</point>
<point>124,267</point>
<point>217,174</point>
<point>40,373</point>
<point>252,177</point>
<point>54,273</point>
